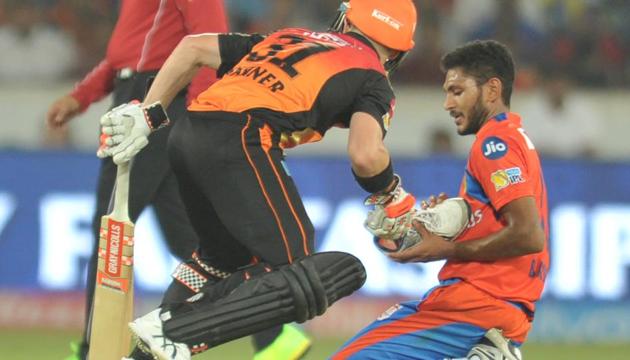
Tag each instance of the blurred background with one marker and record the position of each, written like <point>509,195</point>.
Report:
<point>572,89</point>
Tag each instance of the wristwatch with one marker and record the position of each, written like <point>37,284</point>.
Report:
<point>156,116</point>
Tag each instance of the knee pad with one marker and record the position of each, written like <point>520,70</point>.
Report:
<point>234,307</point>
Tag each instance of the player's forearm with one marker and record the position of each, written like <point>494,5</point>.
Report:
<point>95,85</point>
<point>506,243</point>
<point>180,68</point>
<point>370,162</point>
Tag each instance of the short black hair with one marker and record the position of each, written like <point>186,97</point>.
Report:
<point>483,60</point>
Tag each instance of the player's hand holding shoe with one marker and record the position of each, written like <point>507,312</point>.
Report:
<point>390,220</point>
<point>126,129</point>
<point>446,217</point>
<point>393,230</point>
<point>436,224</point>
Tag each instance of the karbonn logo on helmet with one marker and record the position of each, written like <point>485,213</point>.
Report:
<point>376,13</point>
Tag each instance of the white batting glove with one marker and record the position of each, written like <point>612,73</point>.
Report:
<point>125,129</point>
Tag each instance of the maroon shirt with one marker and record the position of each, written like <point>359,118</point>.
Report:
<point>146,33</point>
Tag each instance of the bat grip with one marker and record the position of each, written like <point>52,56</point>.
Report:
<point>121,192</point>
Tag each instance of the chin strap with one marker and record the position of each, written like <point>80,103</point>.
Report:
<point>337,24</point>
<point>392,64</point>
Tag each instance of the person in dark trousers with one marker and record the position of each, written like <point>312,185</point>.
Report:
<point>276,91</point>
<point>145,34</point>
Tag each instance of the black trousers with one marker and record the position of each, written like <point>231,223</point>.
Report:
<point>241,201</point>
<point>239,197</point>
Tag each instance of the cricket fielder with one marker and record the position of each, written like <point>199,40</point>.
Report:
<point>496,269</point>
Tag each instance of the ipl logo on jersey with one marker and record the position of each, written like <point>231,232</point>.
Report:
<point>494,148</point>
<point>504,178</point>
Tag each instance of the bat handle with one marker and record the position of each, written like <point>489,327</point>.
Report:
<point>121,193</point>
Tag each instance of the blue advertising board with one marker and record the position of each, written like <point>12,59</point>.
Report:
<point>46,206</point>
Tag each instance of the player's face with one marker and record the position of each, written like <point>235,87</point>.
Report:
<point>464,101</point>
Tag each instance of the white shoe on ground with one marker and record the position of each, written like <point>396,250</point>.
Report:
<point>148,330</point>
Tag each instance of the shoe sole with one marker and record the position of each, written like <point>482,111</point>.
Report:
<point>467,210</point>
<point>500,342</point>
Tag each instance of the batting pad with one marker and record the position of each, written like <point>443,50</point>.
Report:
<point>296,292</point>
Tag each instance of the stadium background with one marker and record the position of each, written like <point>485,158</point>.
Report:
<point>47,178</point>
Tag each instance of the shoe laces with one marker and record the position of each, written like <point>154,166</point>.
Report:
<point>430,218</point>
<point>166,344</point>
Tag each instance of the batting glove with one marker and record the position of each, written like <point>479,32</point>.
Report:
<point>126,129</point>
<point>392,214</point>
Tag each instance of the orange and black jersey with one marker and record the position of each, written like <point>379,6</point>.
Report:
<point>300,82</point>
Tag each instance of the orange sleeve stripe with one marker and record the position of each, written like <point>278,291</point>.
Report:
<point>266,134</point>
<point>264,190</point>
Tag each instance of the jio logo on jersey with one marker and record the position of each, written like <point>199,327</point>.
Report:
<point>494,148</point>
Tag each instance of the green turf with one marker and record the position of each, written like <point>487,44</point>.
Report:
<point>53,345</point>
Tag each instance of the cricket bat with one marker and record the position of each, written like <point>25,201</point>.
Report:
<point>112,308</point>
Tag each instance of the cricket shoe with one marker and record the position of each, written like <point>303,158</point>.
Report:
<point>447,219</point>
<point>79,351</point>
<point>151,339</point>
<point>495,346</point>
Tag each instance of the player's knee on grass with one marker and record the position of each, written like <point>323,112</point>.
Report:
<point>253,299</point>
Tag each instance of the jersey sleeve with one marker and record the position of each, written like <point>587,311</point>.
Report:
<point>500,165</point>
<point>233,47</point>
<point>203,17</point>
<point>377,99</point>
<point>95,85</point>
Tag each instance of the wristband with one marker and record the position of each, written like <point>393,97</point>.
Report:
<point>156,116</point>
<point>377,182</point>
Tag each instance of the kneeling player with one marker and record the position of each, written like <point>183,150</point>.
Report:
<point>495,270</point>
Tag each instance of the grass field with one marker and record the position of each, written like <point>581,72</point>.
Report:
<point>53,345</point>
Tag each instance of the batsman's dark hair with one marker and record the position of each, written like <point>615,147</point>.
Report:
<point>483,60</point>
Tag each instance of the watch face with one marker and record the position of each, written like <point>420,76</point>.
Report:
<point>156,116</point>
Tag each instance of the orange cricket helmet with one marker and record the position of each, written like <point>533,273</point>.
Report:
<point>391,23</point>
